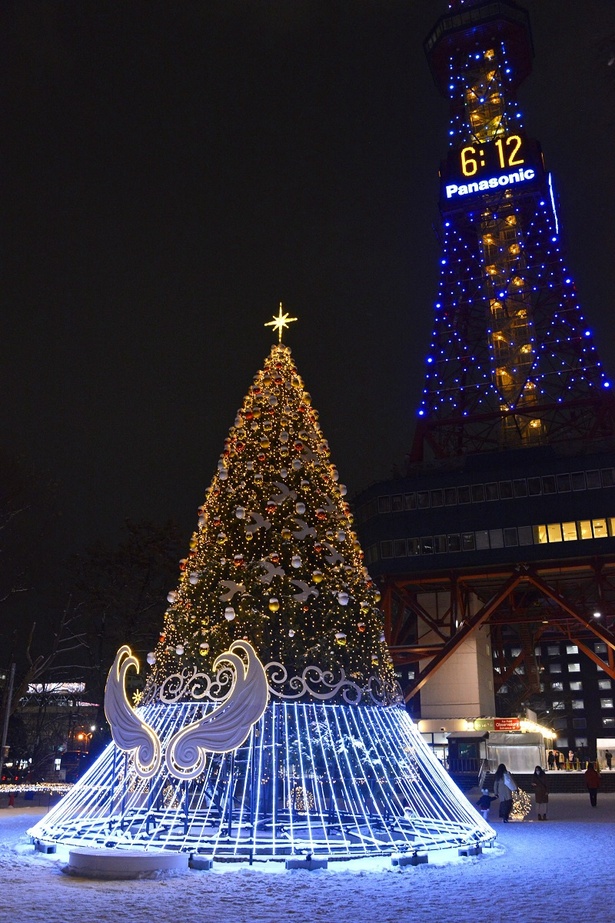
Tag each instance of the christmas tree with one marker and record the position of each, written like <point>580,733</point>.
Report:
<point>271,723</point>
<point>275,559</point>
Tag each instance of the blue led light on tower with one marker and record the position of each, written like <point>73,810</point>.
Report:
<point>272,652</point>
<point>535,377</point>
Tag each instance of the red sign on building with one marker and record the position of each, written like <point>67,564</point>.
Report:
<point>506,724</point>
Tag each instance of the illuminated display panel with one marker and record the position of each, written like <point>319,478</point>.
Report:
<point>484,167</point>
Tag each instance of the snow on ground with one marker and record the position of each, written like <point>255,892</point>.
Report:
<point>535,868</point>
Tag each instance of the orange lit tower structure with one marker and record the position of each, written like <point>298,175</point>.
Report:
<point>506,516</point>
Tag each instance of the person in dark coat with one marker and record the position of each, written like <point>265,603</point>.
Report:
<point>609,758</point>
<point>541,792</point>
<point>592,781</point>
<point>551,760</point>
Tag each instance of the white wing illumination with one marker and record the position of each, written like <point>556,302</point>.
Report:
<point>228,726</point>
<point>129,732</point>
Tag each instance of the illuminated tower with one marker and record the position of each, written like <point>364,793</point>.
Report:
<point>512,362</point>
<point>496,551</point>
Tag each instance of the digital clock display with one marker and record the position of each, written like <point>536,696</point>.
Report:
<point>487,166</point>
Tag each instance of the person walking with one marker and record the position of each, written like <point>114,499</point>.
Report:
<point>592,782</point>
<point>503,787</point>
<point>541,792</point>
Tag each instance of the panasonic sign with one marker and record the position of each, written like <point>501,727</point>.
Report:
<point>454,191</point>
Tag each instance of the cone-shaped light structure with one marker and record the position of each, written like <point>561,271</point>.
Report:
<point>271,723</point>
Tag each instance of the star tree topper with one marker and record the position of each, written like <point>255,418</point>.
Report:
<point>280,322</point>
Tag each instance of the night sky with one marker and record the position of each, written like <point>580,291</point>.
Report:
<point>171,171</point>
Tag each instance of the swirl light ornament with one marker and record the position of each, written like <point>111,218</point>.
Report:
<point>128,730</point>
<point>227,727</point>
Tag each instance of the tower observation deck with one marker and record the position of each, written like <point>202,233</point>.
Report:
<point>505,518</point>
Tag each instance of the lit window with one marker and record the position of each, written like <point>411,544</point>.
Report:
<point>572,649</point>
<point>569,531</point>
<point>540,535</point>
<point>557,687</point>
<point>600,647</point>
<point>555,668</point>
<point>578,704</point>
<point>515,651</point>
<point>600,530</point>
<point>559,706</point>
<point>606,703</point>
<point>608,722</point>
<point>585,528</point>
<point>604,684</point>
<point>574,667</point>
<point>554,532</point>
<point>576,686</point>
